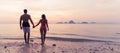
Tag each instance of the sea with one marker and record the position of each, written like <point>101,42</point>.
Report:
<point>106,32</point>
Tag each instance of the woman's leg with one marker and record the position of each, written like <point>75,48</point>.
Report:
<point>44,35</point>
<point>41,31</point>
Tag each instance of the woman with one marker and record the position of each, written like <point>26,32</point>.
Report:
<point>44,27</point>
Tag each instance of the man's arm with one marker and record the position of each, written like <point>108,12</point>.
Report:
<point>20,22</point>
<point>31,21</point>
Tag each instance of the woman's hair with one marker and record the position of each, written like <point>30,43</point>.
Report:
<point>43,16</point>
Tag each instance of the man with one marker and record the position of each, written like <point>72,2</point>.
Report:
<point>24,20</point>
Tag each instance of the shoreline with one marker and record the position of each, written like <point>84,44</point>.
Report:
<point>58,45</point>
<point>61,39</point>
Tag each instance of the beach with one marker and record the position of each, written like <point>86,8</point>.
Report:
<point>58,45</point>
<point>83,38</point>
<point>68,26</point>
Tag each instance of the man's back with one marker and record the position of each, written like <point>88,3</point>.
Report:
<point>25,17</point>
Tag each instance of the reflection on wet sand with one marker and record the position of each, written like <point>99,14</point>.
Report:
<point>43,49</point>
<point>26,49</point>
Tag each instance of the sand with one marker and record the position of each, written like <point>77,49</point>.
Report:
<point>58,45</point>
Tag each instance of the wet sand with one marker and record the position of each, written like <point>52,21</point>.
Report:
<point>58,45</point>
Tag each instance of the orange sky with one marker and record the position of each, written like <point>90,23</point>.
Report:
<point>61,10</point>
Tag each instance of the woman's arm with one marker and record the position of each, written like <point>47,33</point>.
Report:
<point>47,25</point>
<point>38,23</point>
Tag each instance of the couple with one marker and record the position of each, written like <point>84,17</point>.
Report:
<point>24,24</point>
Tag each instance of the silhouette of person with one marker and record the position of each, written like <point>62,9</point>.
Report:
<point>24,24</point>
<point>44,27</point>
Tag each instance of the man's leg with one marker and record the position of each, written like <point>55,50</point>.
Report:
<point>28,37</point>
<point>28,31</point>
<point>25,37</point>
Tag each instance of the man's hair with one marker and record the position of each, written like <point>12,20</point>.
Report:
<point>25,10</point>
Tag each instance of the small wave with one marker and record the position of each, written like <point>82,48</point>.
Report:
<point>87,36</point>
<point>64,34</point>
<point>118,33</point>
<point>75,39</point>
<point>60,39</point>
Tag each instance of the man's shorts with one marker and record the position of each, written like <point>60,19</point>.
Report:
<point>26,29</point>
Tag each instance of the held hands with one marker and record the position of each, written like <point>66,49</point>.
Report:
<point>34,26</point>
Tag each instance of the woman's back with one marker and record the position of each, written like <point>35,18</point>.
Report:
<point>43,22</point>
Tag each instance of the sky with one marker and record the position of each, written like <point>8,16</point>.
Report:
<point>61,10</point>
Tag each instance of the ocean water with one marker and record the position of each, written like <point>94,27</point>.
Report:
<point>107,32</point>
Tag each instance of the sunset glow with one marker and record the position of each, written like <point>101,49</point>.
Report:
<point>61,10</point>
